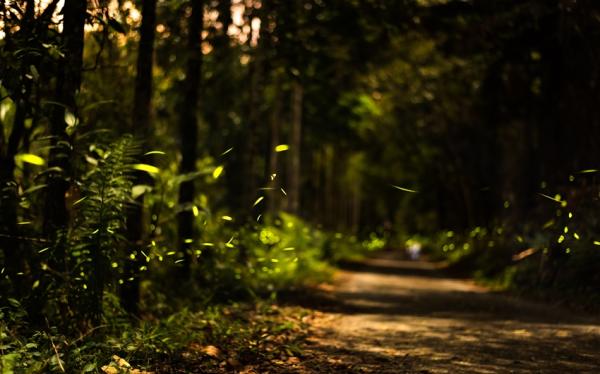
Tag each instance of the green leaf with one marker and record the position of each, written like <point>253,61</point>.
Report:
<point>30,158</point>
<point>89,367</point>
<point>70,119</point>
<point>34,73</point>
<point>34,189</point>
<point>139,190</point>
<point>147,168</point>
<point>217,172</point>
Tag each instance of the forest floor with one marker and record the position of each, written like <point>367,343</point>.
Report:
<point>388,315</point>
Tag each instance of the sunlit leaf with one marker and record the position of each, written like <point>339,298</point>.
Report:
<point>139,190</point>
<point>217,172</point>
<point>282,148</point>
<point>30,158</point>
<point>34,72</point>
<point>211,350</point>
<point>70,119</point>
<point>147,168</point>
<point>34,189</point>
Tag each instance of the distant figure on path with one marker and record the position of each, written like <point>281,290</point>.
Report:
<point>413,249</point>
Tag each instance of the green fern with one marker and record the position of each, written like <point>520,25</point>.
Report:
<point>100,223</point>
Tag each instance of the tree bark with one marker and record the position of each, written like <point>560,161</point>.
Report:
<point>273,174</point>
<point>188,130</point>
<point>296,143</point>
<point>141,128</point>
<point>68,81</point>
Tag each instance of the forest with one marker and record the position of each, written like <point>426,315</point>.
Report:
<point>207,186</point>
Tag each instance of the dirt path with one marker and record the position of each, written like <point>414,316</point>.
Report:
<point>393,316</point>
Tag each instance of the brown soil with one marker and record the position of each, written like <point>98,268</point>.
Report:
<point>388,315</point>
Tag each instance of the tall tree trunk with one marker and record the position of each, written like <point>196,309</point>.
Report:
<point>295,144</point>
<point>223,87</point>
<point>273,174</point>
<point>250,146</point>
<point>188,130</point>
<point>141,127</point>
<point>68,81</point>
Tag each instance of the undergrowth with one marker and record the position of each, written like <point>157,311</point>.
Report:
<point>214,339</point>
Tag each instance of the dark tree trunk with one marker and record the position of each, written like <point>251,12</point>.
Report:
<point>250,146</point>
<point>141,127</point>
<point>68,81</point>
<point>273,174</point>
<point>295,144</point>
<point>188,130</point>
<point>223,87</point>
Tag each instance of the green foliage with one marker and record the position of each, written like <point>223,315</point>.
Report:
<point>554,254</point>
<point>99,223</point>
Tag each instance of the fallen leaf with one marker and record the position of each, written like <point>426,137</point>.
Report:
<point>211,351</point>
<point>121,362</point>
